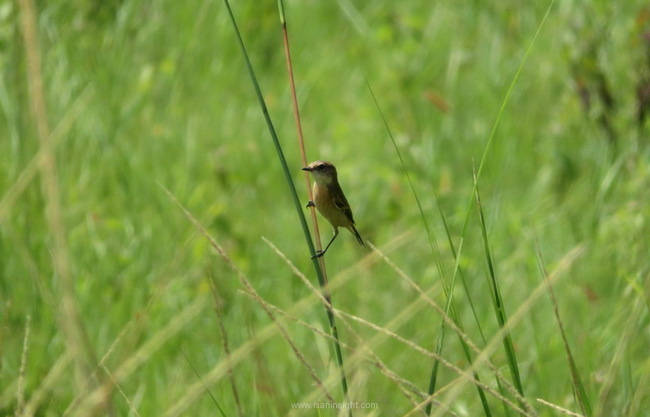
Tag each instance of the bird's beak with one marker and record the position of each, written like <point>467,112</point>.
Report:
<point>307,169</point>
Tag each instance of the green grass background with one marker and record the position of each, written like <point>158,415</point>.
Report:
<point>168,102</point>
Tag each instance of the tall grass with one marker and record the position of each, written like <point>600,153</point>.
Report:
<point>121,285</point>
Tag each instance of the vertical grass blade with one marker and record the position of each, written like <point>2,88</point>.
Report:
<point>69,318</point>
<point>497,299</point>
<point>225,344</point>
<point>301,141</point>
<point>477,175</point>
<point>294,194</point>
<point>320,269</point>
<point>576,381</point>
<point>450,309</point>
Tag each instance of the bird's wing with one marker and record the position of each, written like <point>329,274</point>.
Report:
<point>343,205</point>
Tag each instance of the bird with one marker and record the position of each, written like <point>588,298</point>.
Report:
<point>330,201</point>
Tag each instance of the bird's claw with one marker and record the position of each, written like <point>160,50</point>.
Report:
<point>310,204</point>
<point>319,253</point>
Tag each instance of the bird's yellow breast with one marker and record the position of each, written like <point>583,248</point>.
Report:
<point>326,205</point>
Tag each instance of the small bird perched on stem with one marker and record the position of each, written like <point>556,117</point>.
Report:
<point>330,200</point>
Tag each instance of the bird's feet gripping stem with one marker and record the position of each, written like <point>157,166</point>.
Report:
<point>310,204</point>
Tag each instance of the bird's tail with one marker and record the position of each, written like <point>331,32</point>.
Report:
<point>356,234</point>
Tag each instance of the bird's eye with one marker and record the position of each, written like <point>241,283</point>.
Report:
<point>321,166</point>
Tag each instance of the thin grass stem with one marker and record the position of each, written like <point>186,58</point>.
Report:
<point>317,262</point>
<point>249,288</point>
<point>450,309</point>
<point>69,317</point>
<point>467,342</point>
<point>576,380</point>
<point>214,400</point>
<point>322,277</point>
<point>225,344</point>
<point>497,299</point>
<point>515,319</point>
<point>488,146</point>
<point>20,391</point>
<point>558,408</point>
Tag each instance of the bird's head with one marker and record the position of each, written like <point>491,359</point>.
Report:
<point>322,171</point>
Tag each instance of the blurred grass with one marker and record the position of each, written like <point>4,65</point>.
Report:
<point>171,103</point>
